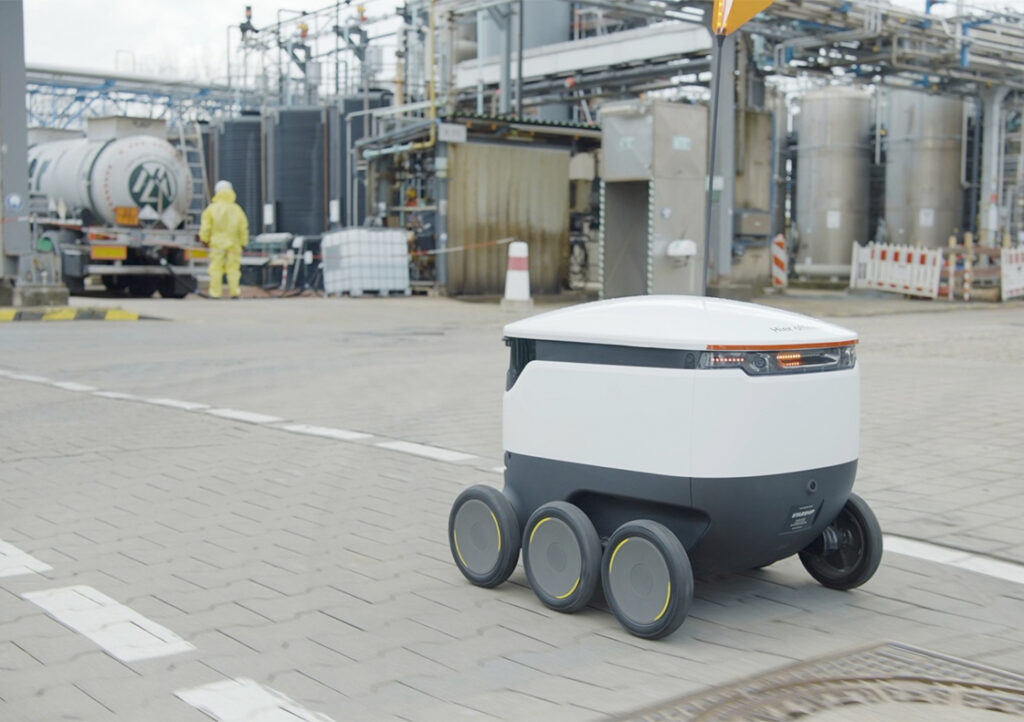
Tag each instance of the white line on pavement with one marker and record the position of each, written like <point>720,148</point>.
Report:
<point>122,632</point>
<point>72,386</point>
<point>29,377</point>
<point>431,452</point>
<point>13,561</point>
<point>247,416</point>
<point>175,404</point>
<point>326,432</point>
<point>243,700</point>
<point>116,395</point>
<point>977,563</point>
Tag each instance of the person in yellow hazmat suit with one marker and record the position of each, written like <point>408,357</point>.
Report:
<point>225,229</point>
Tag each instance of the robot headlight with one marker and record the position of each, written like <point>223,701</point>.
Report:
<point>766,362</point>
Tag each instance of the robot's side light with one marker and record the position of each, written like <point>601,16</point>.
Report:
<point>767,363</point>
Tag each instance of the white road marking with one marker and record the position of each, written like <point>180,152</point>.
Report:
<point>72,386</point>
<point>243,700</point>
<point>922,550</point>
<point>13,561</point>
<point>992,567</point>
<point>247,416</point>
<point>431,452</point>
<point>326,432</point>
<point>29,377</point>
<point>175,404</point>
<point>121,631</point>
<point>959,558</point>
<point>116,395</point>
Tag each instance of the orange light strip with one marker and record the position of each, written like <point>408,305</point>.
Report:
<point>780,346</point>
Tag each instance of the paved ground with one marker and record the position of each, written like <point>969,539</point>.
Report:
<point>320,569</point>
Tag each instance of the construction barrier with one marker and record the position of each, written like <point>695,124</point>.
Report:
<point>1012,273</point>
<point>969,266</point>
<point>780,262</point>
<point>897,269</point>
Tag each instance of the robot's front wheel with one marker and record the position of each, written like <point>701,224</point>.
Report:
<point>647,578</point>
<point>848,551</point>
<point>483,533</point>
<point>562,556</point>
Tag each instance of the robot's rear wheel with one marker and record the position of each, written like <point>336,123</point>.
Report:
<point>483,533</point>
<point>849,550</point>
<point>562,556</point>
<point>647,578</point>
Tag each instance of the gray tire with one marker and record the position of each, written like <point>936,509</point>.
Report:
<point>849,551</point>
<point>647,578</point>
<point>562,556</point>
<point>483,533</point>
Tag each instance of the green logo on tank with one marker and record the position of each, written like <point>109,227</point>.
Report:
<point>152,184</point>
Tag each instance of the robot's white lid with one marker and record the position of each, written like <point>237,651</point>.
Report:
<point>681,322</point>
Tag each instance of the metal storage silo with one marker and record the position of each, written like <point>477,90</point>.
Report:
<point>923,197</point>
<point>296,175</point>
<point>832,178</point>
<point>545,22</point>
<point>237,159</point>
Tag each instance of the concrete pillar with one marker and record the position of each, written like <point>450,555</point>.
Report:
<point>992,151</point>
<point>14,236</point>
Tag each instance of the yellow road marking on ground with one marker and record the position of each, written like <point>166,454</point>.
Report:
<point>60,314</point>
<point>8,314</point>
<point>118,314</point>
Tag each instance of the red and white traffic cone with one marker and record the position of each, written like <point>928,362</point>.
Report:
<point>517,278</point>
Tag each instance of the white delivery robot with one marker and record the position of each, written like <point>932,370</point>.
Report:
<point>649,438</point>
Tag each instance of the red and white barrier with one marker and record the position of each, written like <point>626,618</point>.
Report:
<point>898,269</point>
<point>517,278</point>
<point>1012,273</point>
<point>780,262</point>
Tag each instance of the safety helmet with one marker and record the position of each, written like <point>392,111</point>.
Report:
<point>223,185</point>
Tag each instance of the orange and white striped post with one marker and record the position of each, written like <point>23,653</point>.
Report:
<point>780,262</point>
<point>517,278</point>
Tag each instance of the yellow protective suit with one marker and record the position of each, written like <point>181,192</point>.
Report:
<point>225,229</point>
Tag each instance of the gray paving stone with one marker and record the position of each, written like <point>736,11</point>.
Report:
<point>321,568</point>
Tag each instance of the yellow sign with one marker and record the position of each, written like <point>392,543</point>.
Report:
<point>728,16</point>
<point>126,215</point>
<point>108,253</point>
<point>192,254</point>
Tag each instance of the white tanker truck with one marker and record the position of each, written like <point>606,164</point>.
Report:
<point>115,205</point>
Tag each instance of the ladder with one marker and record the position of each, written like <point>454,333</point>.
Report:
<point>190,143</point>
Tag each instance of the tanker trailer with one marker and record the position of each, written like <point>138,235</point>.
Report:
<point>116,208</point>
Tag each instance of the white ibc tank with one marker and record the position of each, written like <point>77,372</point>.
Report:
<point>101,175</point>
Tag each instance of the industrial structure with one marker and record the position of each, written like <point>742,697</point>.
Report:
<point>582,128</point>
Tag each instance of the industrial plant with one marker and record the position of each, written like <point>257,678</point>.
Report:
<point>846,132</point>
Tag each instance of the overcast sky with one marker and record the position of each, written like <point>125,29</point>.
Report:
<point>173,38</point>
<point>178,38</point>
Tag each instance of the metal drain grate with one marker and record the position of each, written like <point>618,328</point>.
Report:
<point>894,680</point>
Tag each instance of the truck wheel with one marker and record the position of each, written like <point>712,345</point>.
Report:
<point>114,284</point>
<point>141,286</point>
<point>562,556</point>
<point>647,578</point>
<point>177,286</point>
<point>848,551</point>
<point>484,536</point>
